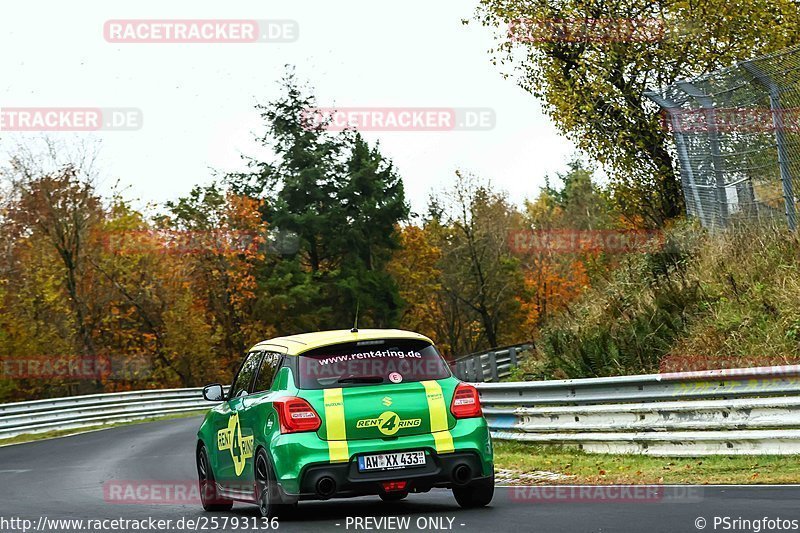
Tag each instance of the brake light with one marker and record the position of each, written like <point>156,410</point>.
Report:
<point>296,415</point>
<point>466,403</point>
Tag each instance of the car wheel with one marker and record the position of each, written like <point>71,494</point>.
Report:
<point>392,496</point>
<point>267,490</point>
<point>208,487</point>
<point>476,494</point>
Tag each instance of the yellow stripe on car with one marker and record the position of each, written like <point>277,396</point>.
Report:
<point>438,413</point>
<point>335,430</point>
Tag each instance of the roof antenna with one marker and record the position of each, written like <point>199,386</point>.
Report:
<point>355,323</point>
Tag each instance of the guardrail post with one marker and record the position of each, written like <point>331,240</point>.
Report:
<point>492,356</point>
<point>512,356</point>
<point>461,371</point>
<point>478,366</point>
<point>784,158</point>
<point>717,157</point>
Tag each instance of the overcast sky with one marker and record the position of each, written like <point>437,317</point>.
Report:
<point>197,99</point>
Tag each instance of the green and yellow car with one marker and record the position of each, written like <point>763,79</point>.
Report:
<point>338,414</point>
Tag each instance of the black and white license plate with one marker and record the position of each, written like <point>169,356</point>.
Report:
<point>391,461</point>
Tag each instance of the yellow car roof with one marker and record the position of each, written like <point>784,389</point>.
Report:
<point>297,344</point>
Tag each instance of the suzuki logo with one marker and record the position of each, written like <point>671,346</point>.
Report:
<point>387,401</point>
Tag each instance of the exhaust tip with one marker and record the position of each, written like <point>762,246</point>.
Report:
<point>326,487</point>
<point>462,474</point>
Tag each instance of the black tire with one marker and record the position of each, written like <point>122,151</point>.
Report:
<point>209,496</point>
<point>476,494</point>
<point>267,489</point>
<point>392,496</point>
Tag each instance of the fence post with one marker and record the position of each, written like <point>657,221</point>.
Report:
<point>780,140</point>
<point>716,153</point>
<point>695,207</point>
<point>493,366</point>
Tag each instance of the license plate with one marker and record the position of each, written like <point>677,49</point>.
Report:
<point>391,461</point>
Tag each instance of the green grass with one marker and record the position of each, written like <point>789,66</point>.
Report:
<point>584,468</point>
<point>702,301</point>
<point>31,437</point>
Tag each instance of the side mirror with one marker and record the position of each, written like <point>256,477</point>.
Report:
<point>213,392</point>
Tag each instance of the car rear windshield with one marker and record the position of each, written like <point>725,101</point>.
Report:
<point>370,363</point>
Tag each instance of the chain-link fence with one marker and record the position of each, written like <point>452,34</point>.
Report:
<point>737,139</point>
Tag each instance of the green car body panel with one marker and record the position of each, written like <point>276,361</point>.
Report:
<point>364,419</point>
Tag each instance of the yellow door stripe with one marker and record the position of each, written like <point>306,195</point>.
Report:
<point>438,413</point>
<point>335,430</point>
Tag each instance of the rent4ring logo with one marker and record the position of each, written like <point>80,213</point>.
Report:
<point>231,439</point>
<point>388,423</point>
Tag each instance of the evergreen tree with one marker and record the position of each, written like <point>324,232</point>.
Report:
<point>343,200</point>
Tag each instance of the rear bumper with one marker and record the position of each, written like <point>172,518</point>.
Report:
<point>348,481</point>
<point>301,459</point>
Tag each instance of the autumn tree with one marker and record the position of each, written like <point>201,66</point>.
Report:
<point>479,273</point>
<point>62,209</point>
<point>48,218</point>
<point>225,238</point>
<point>417,269</point>
<point>554,277</point>
<point>590,61</point>
<point>83,276</point>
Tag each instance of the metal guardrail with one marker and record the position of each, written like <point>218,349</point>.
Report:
<point>490,366</point>
<point>730,412</point>
<point>77,412</point>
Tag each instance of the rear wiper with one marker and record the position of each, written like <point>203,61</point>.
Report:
<point>362,379</point>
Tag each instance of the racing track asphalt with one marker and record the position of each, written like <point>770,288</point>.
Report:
<point>64,478</point>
